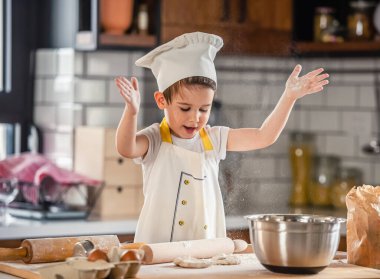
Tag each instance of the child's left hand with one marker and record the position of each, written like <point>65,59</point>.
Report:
<point>297,87</point>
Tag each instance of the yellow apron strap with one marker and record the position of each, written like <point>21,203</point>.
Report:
<point>165,131</point>
<point>207,144</point>
<point>166,137</point>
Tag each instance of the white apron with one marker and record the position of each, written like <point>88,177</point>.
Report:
<point>182,200</point>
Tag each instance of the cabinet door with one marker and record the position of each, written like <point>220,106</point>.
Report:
<point>246,26</point>
<point>266,29</point>
<point>193,13</point>
<point>270,14</point>
<point>185,16</point>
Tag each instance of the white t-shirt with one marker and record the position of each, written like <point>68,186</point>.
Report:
<point>218,136</point>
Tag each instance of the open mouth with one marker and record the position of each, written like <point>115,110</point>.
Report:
<point>190,130</point>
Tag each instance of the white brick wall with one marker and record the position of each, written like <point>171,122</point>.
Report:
<point>110,64</point>
<point>77,88</point>
<point>341,96</point>
<point>58,89</point>
<point>74,89</point>
<point>90,91</point>
<point>357,122</point>
<point>103,116</point>
<point>341,145</point>
<point>367,97</point>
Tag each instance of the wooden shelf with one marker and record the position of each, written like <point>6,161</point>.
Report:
<point>345,47</point>
<point>132,40</point>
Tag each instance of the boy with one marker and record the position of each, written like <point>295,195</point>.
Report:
<point>180,157</point>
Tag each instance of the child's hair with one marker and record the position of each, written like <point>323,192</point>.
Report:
<point>188,82</point>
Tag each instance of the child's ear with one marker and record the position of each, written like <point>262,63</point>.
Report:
<point>160,99</point>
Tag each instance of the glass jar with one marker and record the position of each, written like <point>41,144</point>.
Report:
<point>301,150</point>
<point>323,19</point>
<point>346,179</point>
<point>324,175</point>
<point>360,24</point>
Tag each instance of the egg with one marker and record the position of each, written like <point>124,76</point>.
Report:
<point>130,255</point>
<point>97,254</point>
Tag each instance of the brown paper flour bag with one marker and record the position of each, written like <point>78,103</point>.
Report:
<point>363,226</point>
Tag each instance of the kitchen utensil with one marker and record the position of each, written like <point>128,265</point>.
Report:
<point>82,248</point>
<point>202,248</point>
<point>292,243</point>
<point>54,249</point>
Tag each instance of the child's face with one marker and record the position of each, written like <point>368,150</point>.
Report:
<point>189,111</point>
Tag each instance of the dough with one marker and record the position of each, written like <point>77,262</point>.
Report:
<point>189,262</point>
<point>224,259</point>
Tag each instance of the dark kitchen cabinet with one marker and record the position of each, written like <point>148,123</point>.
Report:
<point>260,27</point>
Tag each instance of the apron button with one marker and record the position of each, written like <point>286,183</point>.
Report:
<point>181,223</point>
<point>205,227</point>
<point>184,202</point>
<point>186,182</point>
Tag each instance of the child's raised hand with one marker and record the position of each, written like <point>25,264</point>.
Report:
<point>312,82</point>
<point>129,90</point>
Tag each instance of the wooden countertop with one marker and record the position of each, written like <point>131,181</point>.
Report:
<point>249,268</point>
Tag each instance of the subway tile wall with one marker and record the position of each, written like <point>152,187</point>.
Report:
<point>76,88</point>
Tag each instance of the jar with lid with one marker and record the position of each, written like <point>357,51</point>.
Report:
<point>301,150</point>
<point>346,179</point>
<point>324,175</point>
<point>323,19</point>
<point>360,23</point>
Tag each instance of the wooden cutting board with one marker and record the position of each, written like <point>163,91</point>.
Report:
<point>29,271</point>
<point>248,269</point>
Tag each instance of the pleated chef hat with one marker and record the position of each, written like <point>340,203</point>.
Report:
<point>191,54</point>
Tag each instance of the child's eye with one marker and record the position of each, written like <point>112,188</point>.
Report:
<point>185,109</point>
<point>203,110</point>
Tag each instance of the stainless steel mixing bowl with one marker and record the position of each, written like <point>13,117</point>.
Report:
<point>293,243</point>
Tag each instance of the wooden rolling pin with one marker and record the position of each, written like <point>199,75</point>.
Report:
<point>202,248</point>
<point>44,250</point>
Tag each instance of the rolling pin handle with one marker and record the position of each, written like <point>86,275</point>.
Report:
<point>13,254</point>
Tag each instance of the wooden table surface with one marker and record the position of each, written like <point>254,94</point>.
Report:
<point>251,268</point>
<point>248,269</point>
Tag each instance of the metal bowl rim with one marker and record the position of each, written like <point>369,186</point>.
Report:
<point>308,217</point>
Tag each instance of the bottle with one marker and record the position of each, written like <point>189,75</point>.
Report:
<point>323,19</point>
<point>324,175</point>
<point>301,151</point>
<point>143,19</point>
<point>346,179</point>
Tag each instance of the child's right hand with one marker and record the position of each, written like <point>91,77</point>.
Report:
<point>130,92</point>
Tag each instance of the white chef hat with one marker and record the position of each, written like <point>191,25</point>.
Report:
<point>189,55</point>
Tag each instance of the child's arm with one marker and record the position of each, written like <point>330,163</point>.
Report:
<point>296,87</point>
<point>128,144</point>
